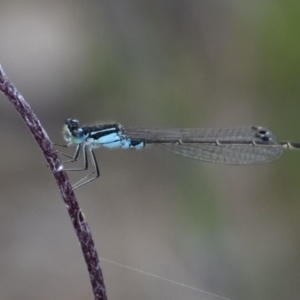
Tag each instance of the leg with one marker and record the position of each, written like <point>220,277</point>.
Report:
<point>74,157</point>
<point>95,172</point>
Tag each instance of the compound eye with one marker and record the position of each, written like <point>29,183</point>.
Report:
<point>78,133</point>
<point>72,123</point>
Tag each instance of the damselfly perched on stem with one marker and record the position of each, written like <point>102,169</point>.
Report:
<point>237,146</point>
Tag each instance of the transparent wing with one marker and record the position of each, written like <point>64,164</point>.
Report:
<point>240,145</point>
<point>227,154</point>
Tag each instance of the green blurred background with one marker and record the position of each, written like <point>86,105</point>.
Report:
<point>229,230</point>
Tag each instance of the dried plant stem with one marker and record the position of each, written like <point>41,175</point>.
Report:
<point>55,165</point>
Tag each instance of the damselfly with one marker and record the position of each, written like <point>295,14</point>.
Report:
<point>240,146</point>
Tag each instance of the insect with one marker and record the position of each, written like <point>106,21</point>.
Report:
<point>238,145</point>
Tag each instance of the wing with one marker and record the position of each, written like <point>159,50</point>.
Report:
<point>240,145</point>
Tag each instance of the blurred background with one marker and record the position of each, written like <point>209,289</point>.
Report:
<point>232,231</point>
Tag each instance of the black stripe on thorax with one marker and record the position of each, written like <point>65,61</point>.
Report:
<point>99,131</point>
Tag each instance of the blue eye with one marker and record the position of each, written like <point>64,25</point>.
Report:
<point>78,133</point>
<point>73,133</point>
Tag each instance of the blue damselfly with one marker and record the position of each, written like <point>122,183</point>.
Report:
<point>237,146</point>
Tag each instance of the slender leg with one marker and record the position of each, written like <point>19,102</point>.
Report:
<point>74,157</point>
<point>95,172</point>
